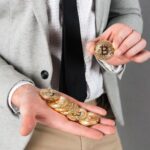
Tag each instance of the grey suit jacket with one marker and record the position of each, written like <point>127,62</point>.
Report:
<point>25,52</point>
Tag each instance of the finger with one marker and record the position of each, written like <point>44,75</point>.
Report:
<point>121,36</point>
<point>142,57</point>
<point>108,130</point>
<point>137,48</point>
<point>28,122</point>
<point>90,47</point>
<point>108,122</point>
<point>95,109</point>
<point>110,38</point>
<point>107,35</point>
<point>80,130</point>
<point>128,43</point>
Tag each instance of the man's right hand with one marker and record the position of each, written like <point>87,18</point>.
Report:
<point>34,110</point>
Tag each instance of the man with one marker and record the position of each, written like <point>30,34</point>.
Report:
<point>31,59</point>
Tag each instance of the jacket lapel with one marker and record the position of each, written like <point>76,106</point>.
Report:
<point>102,12</point>
<point>98,15</point>
<point>40,11</point>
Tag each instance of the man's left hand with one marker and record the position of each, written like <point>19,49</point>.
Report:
<point>129,45</point>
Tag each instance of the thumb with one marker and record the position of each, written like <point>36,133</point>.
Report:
<point>28,121</point>
<point>106,35</point>
<point>90,46</point>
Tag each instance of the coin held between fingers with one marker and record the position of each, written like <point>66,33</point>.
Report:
<point>104,50</point>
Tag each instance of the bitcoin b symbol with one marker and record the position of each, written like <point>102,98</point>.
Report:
<point>105,50</point>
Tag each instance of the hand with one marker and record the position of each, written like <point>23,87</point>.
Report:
<point>128,43</point>
<point>34,110</point>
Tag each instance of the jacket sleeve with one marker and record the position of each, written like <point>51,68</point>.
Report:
<point>127,12</point>
<point>9,76</point>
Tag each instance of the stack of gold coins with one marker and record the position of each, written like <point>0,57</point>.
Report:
<point>70,109</point>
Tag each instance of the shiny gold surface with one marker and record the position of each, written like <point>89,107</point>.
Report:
<point>70,109</point>
<point>104,50</point>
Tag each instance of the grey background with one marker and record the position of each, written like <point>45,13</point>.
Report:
<point>135,93</point>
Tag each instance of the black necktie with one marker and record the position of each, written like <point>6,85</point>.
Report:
<point>72,74</point>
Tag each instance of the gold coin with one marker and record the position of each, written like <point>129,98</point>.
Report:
<point>84,122</point>
<point>54,105</point>
<point>44,93</point>
<point>63,101</point>
<point>61,110</point>
<point>104,50</point>
<point>70,108</point>
<point>49,95</point>
<point>72,117</point>
<point>91,119</point>
<point>87,122</point>
<point>60,103</point>
<point>93,115</point>
<point>76,110</point>
<point>82,113</point>
<point>64,112</point>
<point>67,109</point>
<point>73,114</point>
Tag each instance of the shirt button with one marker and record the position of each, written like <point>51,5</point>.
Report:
<point>44,74</point>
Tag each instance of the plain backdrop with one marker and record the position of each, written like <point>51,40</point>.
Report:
<point>135,93</point>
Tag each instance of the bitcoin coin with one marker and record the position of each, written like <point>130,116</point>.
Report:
<point>66,109</point>
<point>63,104</point>
<point>70,108</point>
<point>76,110</point>
<point>72,117</point>
<point>84,122</point>
<point>49,94</point>
<point>82,113</point>
<point>104,50</point>
<point>54,105</point>
<point>73,114</point>
<point>91,119</point>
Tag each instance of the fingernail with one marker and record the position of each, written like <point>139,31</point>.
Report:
<point>104,112</point>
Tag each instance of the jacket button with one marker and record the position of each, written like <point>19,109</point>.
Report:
<point>44,74</point>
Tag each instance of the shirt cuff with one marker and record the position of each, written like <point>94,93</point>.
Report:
<point>18,85</point>
<point>111,68</point>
